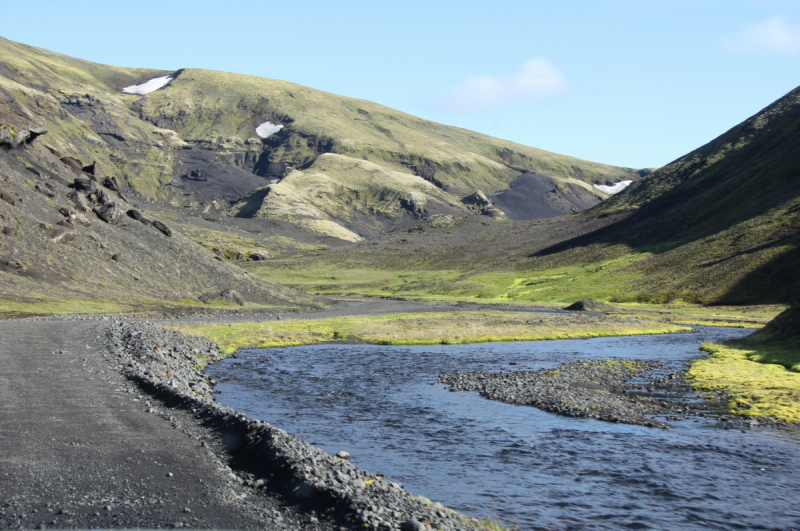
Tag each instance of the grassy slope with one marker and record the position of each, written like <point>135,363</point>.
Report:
<point>41,80</point>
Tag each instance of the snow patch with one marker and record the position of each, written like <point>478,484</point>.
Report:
<point>148,86</point>
<point>613,189</point>
<point>268,128</point>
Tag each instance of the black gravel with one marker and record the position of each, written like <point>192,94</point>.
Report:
<point>580,389</point>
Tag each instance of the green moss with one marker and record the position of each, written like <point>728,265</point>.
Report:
<point>757,388</point>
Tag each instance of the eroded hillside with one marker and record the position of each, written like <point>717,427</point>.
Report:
<point>70,236</point>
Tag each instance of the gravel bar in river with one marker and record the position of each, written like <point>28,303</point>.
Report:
<point>582,389</point>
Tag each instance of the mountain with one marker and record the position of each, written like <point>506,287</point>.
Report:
<point>720,225</point>
<point>227,144</point>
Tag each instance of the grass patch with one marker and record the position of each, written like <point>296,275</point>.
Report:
<point>758,386</point>
<point>422,329</point>
<point>761,372</point>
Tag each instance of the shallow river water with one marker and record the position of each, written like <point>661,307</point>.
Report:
<point>518,464</point>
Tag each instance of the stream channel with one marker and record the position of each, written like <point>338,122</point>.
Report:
<point>517,464</point>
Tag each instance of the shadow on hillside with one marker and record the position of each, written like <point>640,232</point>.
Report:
<point>773,282</point>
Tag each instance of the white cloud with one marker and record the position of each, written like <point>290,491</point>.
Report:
<point>773,35</point>
<point>538,79</point>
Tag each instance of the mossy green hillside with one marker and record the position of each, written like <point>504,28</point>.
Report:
<point>717,227</point>
<point>423,329</point>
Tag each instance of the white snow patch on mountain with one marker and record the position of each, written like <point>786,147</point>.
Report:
<point>268,128</point>
<point>148,86</point>
<point>613,189</point>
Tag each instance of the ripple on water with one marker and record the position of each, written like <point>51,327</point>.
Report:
<point>516,463</point>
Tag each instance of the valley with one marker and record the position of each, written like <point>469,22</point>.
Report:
<point>153,223</point>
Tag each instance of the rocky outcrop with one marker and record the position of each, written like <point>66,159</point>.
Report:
<point>166,231</point>
<point>589,306</point>
<point>483,205</point>
<point>228,295</point>
<point>109,211</point>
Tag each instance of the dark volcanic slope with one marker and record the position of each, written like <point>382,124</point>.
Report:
<point>540,195</point>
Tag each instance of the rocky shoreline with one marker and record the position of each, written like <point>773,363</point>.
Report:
<point>169,366</point>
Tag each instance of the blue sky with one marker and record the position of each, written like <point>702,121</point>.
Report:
<point>631,83</point>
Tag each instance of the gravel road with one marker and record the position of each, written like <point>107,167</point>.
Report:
<point>79,449</point>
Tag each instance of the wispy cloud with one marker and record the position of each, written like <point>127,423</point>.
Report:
<point>538,79</point>
<point>773,35</point>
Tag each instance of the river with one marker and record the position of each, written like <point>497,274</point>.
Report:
<point>517,464</point>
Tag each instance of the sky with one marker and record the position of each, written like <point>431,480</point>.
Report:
<point>635,83</point>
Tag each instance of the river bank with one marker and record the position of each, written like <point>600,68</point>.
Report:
<point>251,472</point>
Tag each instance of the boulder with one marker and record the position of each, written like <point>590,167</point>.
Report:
<point>258,255</point>
<point>163,228</point>
<point>110,212</point>
<point>15,136</point>
<point>91,169</point>
<point>589,306</point>
<point>110,183</point>
<point>82,184</point>
<point>61,234</point>
<point>228,295</point>
<point>135,214</point>
<point>79,199</point>
<point>10,197</point>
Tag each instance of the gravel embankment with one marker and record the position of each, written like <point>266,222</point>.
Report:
<point>166,364</point>
<point>581,389</point>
